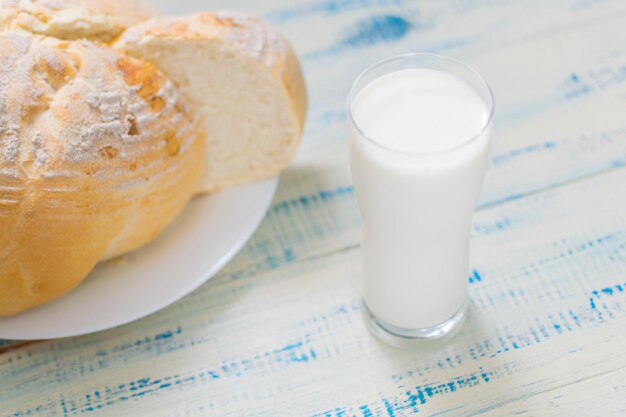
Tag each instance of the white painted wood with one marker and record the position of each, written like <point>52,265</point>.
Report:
<point>279,331</point>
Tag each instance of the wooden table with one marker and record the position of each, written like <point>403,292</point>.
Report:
<point>279,331</point>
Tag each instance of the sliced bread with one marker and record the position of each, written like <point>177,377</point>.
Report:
<point>243,79</point>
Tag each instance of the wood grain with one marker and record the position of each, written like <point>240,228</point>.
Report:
<point>279,330</point>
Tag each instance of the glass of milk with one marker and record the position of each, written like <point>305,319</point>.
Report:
<point>419,134</point>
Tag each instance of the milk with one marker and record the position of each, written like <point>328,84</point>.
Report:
<point>419,143</point>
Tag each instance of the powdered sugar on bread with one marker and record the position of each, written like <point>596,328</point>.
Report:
<point>254,37</point>
<point>98,153</point>
<point>74,19</point>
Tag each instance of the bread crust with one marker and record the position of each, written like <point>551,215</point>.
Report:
<point>98,153</point>
<point>100,20</point>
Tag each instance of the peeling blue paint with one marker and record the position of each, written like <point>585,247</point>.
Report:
<point>377,29</point>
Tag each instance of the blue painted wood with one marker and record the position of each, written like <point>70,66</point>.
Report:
<point>279,330</point>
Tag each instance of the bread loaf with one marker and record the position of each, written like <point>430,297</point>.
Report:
<point>243,79</point>
<point>100,20</point>
<point>98,153</point>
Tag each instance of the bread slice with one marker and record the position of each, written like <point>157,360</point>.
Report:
<point>100,20</point>
<point>244,80</point>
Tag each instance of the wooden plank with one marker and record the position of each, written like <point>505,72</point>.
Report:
<point>548,303</point>
<point>567,401</point>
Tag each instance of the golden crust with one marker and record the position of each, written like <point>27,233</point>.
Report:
<point>100,20</point>
<point>90,166</point>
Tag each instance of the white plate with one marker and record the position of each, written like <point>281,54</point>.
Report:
<point>206,235</point>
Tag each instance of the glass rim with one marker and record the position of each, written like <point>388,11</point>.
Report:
<point>352,95</point>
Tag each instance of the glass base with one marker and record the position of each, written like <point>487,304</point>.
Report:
<point>398,336</point>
